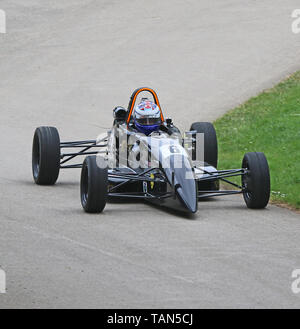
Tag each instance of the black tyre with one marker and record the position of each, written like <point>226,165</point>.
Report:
<point>45,155</point>
<point>256,182</point>
<point>93,184</point>
<point>210,141</point>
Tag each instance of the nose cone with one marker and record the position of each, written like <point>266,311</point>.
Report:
<point>185,187</point>
<point>186,192</point>
<point>178,169</point>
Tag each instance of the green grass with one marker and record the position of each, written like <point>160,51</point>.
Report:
<point>269,123</point>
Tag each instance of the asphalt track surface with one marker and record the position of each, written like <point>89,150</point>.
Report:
<point>67,64</point>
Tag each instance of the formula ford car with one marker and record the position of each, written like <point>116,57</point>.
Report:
<point>162,167</point>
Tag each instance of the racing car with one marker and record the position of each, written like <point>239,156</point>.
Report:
<point>138,159</point>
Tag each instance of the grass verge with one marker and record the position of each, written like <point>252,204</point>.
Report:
<point>269,123</point>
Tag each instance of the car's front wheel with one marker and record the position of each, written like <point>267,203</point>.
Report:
<point>256,180</point>
<point>93,184</point>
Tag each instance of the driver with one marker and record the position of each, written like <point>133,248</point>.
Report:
<point>147,117</point>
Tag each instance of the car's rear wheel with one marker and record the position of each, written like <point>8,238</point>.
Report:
<point>210,141</point>
<point>256,182</point>
<point>45,155</point>
<point>210,151</point>
<point>94,184</point>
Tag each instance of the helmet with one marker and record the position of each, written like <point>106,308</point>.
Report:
<point>147,117</point>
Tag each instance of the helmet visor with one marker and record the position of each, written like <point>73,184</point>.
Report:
<point>146,121</point>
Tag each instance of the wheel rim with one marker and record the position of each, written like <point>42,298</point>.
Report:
<point>84,185</point>
<point>36,157</point>
<point>245,180</point>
